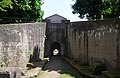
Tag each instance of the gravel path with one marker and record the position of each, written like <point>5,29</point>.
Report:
<point>57,66</point>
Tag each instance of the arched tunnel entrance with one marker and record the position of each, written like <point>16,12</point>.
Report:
<point>55,49</point>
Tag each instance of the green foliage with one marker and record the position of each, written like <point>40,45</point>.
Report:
<point>96,9</point>
<point>36,12</point>
<point>20,10</point>
<point>5,4</point>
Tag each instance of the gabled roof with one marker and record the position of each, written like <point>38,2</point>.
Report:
<point>56,15</point>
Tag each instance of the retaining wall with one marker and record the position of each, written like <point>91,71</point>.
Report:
<point>95,41</point>
<point>17,42</point>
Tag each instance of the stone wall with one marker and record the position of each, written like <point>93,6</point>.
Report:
<point>17,42</point>
<point>56,32</point>
<point>95,41</point>
<point>87,42</point>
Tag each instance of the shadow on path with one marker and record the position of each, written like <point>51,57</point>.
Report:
<point>59,65</point>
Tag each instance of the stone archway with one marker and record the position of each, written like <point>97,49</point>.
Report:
<point>55,48</point>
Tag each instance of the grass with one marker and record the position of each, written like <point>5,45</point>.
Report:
<point>67,74</point>
<point>63,74</point>
<point>38,64</point>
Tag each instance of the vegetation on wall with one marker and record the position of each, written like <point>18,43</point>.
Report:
<point>97,9</point>
<point>19,10</point>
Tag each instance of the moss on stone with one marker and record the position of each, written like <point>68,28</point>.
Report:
<point>97,68</point>
<point>111,74</point>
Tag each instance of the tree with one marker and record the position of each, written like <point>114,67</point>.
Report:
<point>20,10</point>
<point>113,10</point>
<point>97,9</point>
<point>36,12</point>
<point>5,4</point>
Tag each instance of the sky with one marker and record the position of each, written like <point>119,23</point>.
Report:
<point>60,7</point>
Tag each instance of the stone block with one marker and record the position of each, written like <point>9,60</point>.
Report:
<point>10,72</point>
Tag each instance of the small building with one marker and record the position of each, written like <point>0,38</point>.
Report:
<point>55,18</point>
<point>56,35</point>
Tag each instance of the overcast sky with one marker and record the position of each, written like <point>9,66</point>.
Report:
<point>61,7</point>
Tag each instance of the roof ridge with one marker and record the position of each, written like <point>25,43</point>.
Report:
<point>57,15</point>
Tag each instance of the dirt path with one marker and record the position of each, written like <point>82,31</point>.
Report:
<point>57,67</point>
